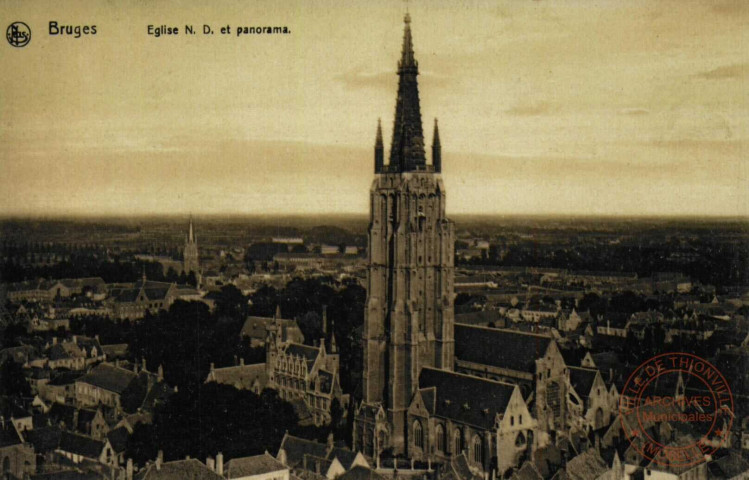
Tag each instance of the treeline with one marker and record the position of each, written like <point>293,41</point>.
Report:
<point>711,262</point>
<point>87,264</point>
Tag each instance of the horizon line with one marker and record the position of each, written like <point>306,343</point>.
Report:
<point>363,215</point>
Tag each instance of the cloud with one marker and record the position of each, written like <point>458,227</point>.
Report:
<point>731,8</point>
<point>385,80</point>
<point>538,108</point>
<point>634,111</point>
<point>359,79</point>
<point>739,70</point>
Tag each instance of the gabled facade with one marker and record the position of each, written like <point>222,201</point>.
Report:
<point>453,414</point>
<point>304,373</point>
<point>589,401</point>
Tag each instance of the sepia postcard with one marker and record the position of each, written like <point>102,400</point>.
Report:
<point>352,240</point>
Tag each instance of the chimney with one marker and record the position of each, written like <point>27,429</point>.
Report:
<point>331,442</point>
<point>235,360</point>
<point>143,364</point>
<point>129,474</point>
<point>159,459</point>
<point>213,366</point>
<point>241,362</point>
<point>160,373</point>
<point>211,463</point>
<point>96,337</point>
<point>75,338</point>
<point>54,340</point>
<point>220,463</point>
<point>304,462</point>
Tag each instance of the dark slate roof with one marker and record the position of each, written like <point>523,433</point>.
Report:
<point>115,350</point>
<point>78,444</point>
<point>126,295</point>
<point>109,377</point>
<point>428,395</point>
<point>68,475</point>
<point>582,380</point>
<point>191,469</point>
<point>460,468</point>
<point>527,472</point>
<point>344,455</point>
<point>729,466</point>
<point>457,399</point>
<point>8,435</point>
<point>118,439</point>
<point>296,448</point>
<point>361,473</point>
<point>65,378</point>
<point>315,465</point>
<point>305,351</point>
<point>255,327</point>
<point>255,465</point>
<point>57,352</point>
<point>63,413</point>
<point>43,439</point>
<point>499,348</point>
<point>85,417</point>
<point>483,317</point>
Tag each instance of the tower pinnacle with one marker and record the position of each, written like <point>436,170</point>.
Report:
<point>379,149</point>
<point>436,149</point>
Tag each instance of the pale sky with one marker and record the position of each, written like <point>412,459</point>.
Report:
<point>545,107</point>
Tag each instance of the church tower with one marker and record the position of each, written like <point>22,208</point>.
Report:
<point>190,254</point>
<point>409,317</point>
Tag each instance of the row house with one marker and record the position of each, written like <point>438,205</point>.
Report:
<point>76,353</point>
<point>132,301</point>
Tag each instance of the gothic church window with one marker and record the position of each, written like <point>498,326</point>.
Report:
<point>418,434</point>
<point>440,434</point>
<point>478,450</point>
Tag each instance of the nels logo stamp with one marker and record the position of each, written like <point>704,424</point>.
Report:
<point>677,410</point>
<point>18,34</point>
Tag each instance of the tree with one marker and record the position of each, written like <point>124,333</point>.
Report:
<point>209,418</point>
<point>12,380</point>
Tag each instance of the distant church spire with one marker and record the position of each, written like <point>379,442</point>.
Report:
<point>190,256</point>
<point>407,150</point>
<point>379,149</point>
<point>436,149</point>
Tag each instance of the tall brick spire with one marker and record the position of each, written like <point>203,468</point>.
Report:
<point>407,151</point>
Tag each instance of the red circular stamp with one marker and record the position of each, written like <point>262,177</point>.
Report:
<point>676,409</point>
